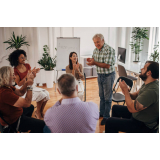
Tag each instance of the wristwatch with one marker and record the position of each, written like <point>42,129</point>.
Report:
<point>29,88</point>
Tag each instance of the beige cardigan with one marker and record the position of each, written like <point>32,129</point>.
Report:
<point>77,76</point>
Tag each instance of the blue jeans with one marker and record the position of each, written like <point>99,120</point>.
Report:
<point>105,83</point>
<point>46,129</point>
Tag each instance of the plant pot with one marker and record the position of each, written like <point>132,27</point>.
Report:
<point>43,76</point>
<point>49,78</point>
<point>135,57</point>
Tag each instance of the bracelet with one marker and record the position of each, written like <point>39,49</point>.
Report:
<point>29,88</point>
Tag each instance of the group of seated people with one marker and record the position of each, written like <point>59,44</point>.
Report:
<point>70,114</point>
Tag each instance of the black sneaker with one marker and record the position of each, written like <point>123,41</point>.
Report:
<point>103,122</point>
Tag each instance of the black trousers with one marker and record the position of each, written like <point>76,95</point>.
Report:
<point>123,121</point>
<point>27,123</point>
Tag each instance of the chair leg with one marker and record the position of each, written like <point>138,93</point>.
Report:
<point>117,88</point>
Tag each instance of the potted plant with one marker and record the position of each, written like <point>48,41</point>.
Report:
<point>48,64</point>
<point>155,55</point>
<point>16,42</point>
<point>139,34</point>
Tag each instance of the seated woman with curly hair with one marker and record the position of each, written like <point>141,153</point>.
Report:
<point>21,69</point>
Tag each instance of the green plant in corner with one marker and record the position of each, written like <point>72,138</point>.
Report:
<point>155,55</point>
<point>139,34</point>
<point>46,61</point>
<point>16,42</point>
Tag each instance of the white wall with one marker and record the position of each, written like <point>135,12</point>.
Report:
<point>86,34</point>
<point>39,36</point>
<point>153,39</point>
<point>66,31</point>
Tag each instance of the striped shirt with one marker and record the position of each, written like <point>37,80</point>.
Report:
<point>105,55</point>
<point>72,116</point>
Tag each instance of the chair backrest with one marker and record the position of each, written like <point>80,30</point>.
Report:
<point>128,81</point>
<point>121,71</point>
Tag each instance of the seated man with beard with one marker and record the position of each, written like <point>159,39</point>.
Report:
<point>141,115</point>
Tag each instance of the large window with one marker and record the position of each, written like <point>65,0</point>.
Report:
<point>153,39</point>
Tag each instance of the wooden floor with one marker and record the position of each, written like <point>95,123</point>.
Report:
<point>92,94</point>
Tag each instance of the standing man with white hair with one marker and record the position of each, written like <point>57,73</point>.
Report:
<point>104,59</point>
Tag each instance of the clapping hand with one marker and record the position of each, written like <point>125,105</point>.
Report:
<point>90,61</point>
<point>74,66</point>
<point>123,86</point>
<point>30,78</point>
<point>34,71</point>
<point>37,70</point>
<point>30,75</point>
<point>77,66</point>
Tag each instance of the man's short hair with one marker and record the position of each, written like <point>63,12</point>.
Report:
<point>98,36</point>
<point>5,74</point>
<point>154,68</point>
<point>67,84</point>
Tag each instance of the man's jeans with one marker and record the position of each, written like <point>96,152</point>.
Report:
<point>105,83</point>
<point>46,129</point>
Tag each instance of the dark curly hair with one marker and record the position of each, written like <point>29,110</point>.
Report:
<point>13,57</point>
